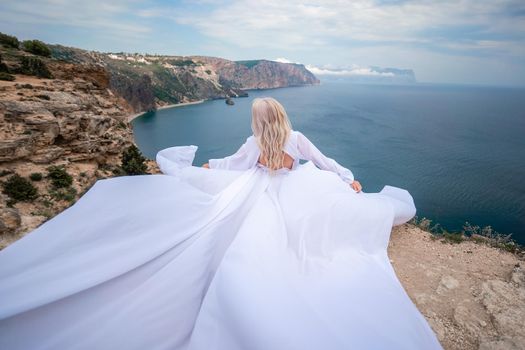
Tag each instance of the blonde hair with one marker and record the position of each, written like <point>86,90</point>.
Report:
<point>271,128</point>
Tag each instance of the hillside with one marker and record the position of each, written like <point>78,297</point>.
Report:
<point>151,81</point>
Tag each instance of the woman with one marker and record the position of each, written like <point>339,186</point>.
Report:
<point>256,252</point>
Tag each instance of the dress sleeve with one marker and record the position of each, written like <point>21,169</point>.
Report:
<point>308,151</point>
<point>245,157</point>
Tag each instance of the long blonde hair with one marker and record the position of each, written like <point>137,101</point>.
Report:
<point>271,128</point>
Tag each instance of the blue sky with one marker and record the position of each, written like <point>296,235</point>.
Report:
<point>463,41</point>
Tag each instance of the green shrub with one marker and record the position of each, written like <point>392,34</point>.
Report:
<point>36,176</point>
<point>6,76</point>
<point>453,237</point>
<point>208,71</point>
<point>3,66</point>
<point>64,194</point>
<point>59,176</point>
<point>19,188</point>
<point>36,47</point>
<point>34,66</point>
<point>133,161</point>
<point>9,40</point>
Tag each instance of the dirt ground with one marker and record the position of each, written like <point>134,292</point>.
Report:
<point>472,295</point>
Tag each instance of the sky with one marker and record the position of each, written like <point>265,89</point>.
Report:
<point>478,42</point>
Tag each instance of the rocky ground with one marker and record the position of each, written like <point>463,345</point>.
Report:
<point>472,295</point>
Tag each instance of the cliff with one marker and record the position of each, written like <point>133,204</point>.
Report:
<point>150,81</point>
<point>68,107</point>
<point>55,113</point>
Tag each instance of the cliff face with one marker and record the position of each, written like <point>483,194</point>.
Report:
<point>259,74</point>
<point>71,119</point>
<point>148,81</point>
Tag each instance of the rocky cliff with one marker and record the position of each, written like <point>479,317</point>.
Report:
<point>55,113</point>
<point>67,107</point>
<point>150,81</point>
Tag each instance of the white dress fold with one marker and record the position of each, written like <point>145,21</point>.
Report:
<point>214,259</point>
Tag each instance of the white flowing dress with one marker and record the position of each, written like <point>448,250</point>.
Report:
<point>227,258</point>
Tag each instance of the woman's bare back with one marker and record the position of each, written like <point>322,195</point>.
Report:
<point>287,161</point>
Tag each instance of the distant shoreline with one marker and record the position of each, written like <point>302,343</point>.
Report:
<point>131,117</point>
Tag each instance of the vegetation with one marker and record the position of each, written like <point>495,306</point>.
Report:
<point>66,194</point>
<point>6,76</point>
<point>59,176</point>
<point>181,63</point>
<point>208,71</point>
<point>36,47</point>
<point>34,66</point>
<point>9,41</point>
<point>483,235</point>
<point>3,66</point>
<point>133,162</point>
<point>250,63</point>
<point>36,176</point>
<point>20,189</point>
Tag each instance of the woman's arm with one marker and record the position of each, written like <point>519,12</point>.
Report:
<point>244,158</point>
<point>310,152</point>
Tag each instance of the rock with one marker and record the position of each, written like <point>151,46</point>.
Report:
<point>502,344</point>
<point>10,220</point>
<point>504,302</point>
<point>446,284</point>
<point>17,148</point>
<point>47,155</point>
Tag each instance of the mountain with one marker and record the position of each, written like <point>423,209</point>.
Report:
<point>150,81</point>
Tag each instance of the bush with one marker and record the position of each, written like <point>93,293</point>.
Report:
<point>3,66</point>
<point>133,161</point>
<point>59,176</point>
<point>36,176</point>
<point>34,66</point>
<point>36,47</point>
<point>9,41</point>
<point>64,194</point>
<point>6,76</point>
<point>19,188</point>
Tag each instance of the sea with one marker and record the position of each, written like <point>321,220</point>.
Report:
<point>459,150</point>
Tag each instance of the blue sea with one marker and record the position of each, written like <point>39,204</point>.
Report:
<point>459,150</point>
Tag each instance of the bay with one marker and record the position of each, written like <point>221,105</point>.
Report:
<point>459,150</point>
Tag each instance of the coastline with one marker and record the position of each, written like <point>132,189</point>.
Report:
<point>133,116</point>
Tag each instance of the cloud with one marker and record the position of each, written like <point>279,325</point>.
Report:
<point>113,17</point>
<point>351,72</point>
<point>292,24</point>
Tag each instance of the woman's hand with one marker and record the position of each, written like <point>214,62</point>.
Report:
<point>206,165</point>
<point>356,186</point>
